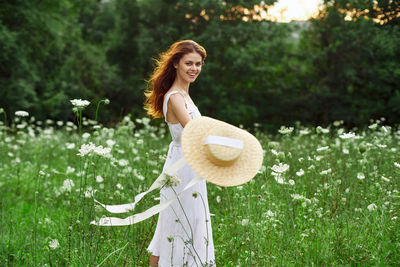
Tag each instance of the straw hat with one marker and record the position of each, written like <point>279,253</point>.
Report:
<point>221,153</point>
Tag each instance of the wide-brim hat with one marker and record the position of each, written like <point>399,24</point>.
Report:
<point>220,152</point>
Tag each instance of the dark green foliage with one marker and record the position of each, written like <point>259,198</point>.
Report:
<point>355,68</point>
<point>256,71</point>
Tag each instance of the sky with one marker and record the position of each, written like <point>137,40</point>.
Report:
<point>288,10</point>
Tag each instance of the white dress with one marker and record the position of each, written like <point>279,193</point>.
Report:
<point>183,235</point>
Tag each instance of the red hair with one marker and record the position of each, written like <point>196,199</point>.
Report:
<point>164,74</point>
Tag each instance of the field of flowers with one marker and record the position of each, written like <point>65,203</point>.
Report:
<point>324,196</point>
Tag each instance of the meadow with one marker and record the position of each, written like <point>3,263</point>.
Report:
<point>324,196</point>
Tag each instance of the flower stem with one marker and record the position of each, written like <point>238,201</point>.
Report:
<point>98,107</point>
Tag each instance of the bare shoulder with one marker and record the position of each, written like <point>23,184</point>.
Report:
<point>177,100</point>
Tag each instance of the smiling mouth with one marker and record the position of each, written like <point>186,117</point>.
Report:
<point>192,75</point>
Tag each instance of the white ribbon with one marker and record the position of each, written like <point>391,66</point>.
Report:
<point>224,141</point>
<point>113,221</point>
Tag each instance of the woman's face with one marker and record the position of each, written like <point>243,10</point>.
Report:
<point>189,67</point>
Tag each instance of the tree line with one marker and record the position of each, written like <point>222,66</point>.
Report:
<point>342,65</point>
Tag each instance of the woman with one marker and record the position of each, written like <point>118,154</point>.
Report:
<point>183,235</point>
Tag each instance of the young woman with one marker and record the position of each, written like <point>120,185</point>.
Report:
<point>183,235</point>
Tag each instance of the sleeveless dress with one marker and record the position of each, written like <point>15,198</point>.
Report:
<point>183,235</point>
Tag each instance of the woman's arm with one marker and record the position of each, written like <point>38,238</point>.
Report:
<point>177,106</point>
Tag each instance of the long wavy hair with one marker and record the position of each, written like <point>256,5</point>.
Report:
<point>164,74</point>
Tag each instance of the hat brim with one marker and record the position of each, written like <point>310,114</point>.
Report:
<point>243,169</point>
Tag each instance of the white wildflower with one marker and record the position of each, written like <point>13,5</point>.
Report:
<point>279,179</point>
<point>347,135</point>
<point>326,171</point>
<point>281,168</point>
<point>138,175</point>
<point>102,151</point>
<point>297,197</point>
<point>120,187</point>
<point>345,151</point>
<point>285,130</point>
<point>67,185</point>
<point>385,179</point>
<point>397,164</point>
<point>291,182</point>
<point>110,142</point>
<point>360,176</point>
<point>70,145</point>
<point>89,192</point>
<point>21,113</point>
<point>274,152</point>
<point>373,126</point>
<point>218,199</point>
<point>372,207</point>
<point>304,132</point>
<point>245,222</point>
<point>323,148</point>
<point>85,135</point>
<point>123,162</point>
<point>53,244</point>
<point>322,130</point>
<point>99,179</point>
<point>69,170</point>
<point>79,103</point>
<point>270,213</point>
<point>86,149</point>
<point>300,172</point>
<point>170,180</point>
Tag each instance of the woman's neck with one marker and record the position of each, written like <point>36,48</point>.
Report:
<point>181,86</point>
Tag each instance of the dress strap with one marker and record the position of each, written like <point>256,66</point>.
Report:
<point>166,98</point>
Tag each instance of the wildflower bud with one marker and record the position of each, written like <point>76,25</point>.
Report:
<point>319,129</point>
<point>362,148</point>
<point>281,156</point>
<point>75,109</point>
<point>1,110</point>
<point>289,155</point>
<point>272,145</point>
<point>106,101</point>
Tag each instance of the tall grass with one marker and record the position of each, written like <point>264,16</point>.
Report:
<point>322,198</point>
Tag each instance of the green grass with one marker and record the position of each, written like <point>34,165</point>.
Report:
<point>256,224</point>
